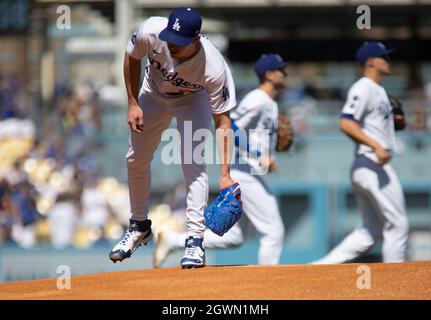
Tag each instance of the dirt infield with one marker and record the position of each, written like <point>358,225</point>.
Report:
<point>387,281</point>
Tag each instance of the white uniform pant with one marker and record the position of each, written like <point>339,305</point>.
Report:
<point>158,113</point>
<point>380,199</point>
<point>261,207</point>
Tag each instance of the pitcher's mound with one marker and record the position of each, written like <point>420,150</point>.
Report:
<point>350,281</point>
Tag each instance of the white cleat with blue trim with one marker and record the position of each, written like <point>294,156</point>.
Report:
<point>139,233</point>
<point>194,256</point>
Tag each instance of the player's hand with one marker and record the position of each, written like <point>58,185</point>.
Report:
<point>135,119</point>
<point>268,163</point>
<point>226,182</point>
<point>272,166</point>
<point>383,155</point>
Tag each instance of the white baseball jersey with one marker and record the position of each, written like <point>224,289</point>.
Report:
<point>368,104</point>
<point>259,112</point>
<point>169,78</point>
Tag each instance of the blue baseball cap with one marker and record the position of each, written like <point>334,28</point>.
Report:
<point>183,25</point>
<point>371,49</point>
<point>269,62</point>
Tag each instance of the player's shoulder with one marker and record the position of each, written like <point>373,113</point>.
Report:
<point>362,82</point>
<point>215,63</point>
<point>153,25</point>
<point>255,98</point>
<point>362,85</point>
<point>258,95</point>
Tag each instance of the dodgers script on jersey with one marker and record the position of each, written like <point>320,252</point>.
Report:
<point>257,111</point>
<point>169,78</point>
<point>368,104</point>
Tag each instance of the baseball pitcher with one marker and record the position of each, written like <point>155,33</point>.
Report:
<point>186,77</point>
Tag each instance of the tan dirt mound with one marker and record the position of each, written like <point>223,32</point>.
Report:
<point>386,281</point>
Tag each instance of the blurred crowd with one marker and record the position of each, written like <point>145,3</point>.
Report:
<point>51,190</point>
<point>419,124</point>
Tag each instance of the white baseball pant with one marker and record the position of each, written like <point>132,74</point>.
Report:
<point>380,199</point>
<point>158,113</point>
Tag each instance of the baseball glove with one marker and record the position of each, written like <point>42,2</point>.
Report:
<point>224,211</point>
<point>399,116</point>
<point>284,134</point>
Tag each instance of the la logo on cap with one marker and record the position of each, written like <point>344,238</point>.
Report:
<point>183,25</point>
<point>176,25</point>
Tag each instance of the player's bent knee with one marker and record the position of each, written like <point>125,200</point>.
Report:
<point>365,238</point>
<point>275,236</point>
<point>237,241</point>
<point>402,228</point>
<point>369,243</point>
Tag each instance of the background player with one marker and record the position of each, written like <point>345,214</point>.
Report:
<point>258,110</point>
<point>367,118</point>
<point>186,77</point>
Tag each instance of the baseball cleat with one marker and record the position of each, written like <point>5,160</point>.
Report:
<point>139,233</point>
<point>194,256</point>
<point>162,249</point>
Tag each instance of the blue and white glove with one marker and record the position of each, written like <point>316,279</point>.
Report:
<point>224,211</point>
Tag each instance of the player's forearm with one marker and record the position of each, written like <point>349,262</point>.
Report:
<point>132,78</point>
<point>224,139</point>
<point>354,131</point>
